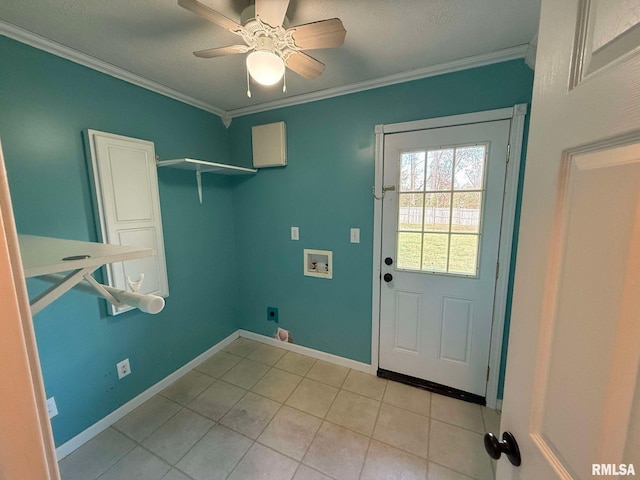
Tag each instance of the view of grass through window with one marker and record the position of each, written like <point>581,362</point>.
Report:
<point>440,209</point>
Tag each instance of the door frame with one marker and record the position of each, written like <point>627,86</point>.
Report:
<point>517,115</point>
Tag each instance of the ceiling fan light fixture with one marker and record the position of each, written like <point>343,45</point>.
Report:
<point>265,67</point>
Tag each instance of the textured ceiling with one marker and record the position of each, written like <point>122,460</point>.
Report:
<point>155,39</point>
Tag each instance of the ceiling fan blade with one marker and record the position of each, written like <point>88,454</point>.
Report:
<point>322,34</point>
<point>210,14</point>
<point>304,65</point>
<point>272,12</point>
<point>219,52</point>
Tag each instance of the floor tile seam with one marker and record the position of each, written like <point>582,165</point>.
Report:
<point>457,426</point>
<point>189,407</point>
<point>259,442</point>
<point>454,470</point>
<point>431,417</point>
<point>272,368</point>
<point>300,464</point>
<point>279,409</point>
<point>114,464</point>
<point>409,411</point>
<point>153,455</point>
<point>294,373</point>
<point>253,442</point>
<point>189,477</point>
<point>194,444</point>
<point>155,429</point>
<point>366,454</point>
<point>325,383</point>
<point>426,458</point>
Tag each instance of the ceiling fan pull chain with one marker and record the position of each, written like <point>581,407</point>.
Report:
<point>248,85</point>
<point>284,82</point>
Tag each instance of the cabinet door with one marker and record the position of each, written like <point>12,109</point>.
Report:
<point>127,202</point>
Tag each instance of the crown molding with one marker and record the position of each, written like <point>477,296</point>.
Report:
<point>68,53</point>
<point>55,48</point>
<point>498,56</point>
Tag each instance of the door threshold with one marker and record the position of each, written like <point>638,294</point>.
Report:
<point>432,387</point>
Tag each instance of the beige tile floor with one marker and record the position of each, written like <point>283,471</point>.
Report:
<point>253,411</point>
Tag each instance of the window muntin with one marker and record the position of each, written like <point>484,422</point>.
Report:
<point>440,207</point>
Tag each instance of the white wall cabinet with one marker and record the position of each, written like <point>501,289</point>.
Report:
<point>127,203</point>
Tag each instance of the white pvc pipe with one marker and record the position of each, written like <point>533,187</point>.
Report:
<point>146,303</point>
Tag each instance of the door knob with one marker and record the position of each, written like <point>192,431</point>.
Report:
<point>388,277</point>
<point>508,445</point>
<point>388,260</point>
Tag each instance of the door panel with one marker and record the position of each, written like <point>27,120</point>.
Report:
<point>455,339</point>
<point>441,224</point>
<point>407,321</point>
<point>571,394</point>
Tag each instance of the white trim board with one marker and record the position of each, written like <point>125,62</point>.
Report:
<point>309,352</point>
<point>86,435</point>
<point>68,53</point>
<point>481,60</point>
<point>517,116</point>
<point>29,38</point>
<point>101,425</point>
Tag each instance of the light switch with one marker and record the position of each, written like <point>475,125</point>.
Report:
<point>355,235</point>
<point>295,233</point>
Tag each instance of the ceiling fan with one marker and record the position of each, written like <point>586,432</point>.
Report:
<point>273,47</point>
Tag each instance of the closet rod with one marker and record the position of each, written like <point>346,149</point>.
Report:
<point>146,303</point>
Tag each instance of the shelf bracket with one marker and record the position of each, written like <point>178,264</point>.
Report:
<point>199,182</point>
<point>59,289</point>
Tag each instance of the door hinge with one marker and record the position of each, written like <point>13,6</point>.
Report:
<point>488,371</point>
<point>497,269</point>
<point>508,152</point>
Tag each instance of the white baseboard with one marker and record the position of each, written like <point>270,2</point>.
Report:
<point>499,404</point>
<point>83,437</point>
<point>310,352</point>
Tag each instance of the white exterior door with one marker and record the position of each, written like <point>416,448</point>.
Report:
<point>440,239</point>
<point>572,396</point>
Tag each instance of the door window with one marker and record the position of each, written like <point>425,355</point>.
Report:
<point>440,200</point>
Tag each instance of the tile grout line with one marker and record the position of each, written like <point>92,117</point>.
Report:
<point>323,420</point>
<point>366,455</point>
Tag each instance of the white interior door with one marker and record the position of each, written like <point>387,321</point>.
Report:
<point>125,185</point>
<point>440,240</point>
<point>572,395</point>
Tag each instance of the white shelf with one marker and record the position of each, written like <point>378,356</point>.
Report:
<point>43,255</point>
<point>200,166</point>
<point>207,167</point>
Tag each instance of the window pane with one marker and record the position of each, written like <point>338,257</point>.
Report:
<point>434,255</point>
<point>439,169</point>
<point>437,207</point>
<point>463,255</point>
<point>409,245</point>
<point>469,167</point>
<point>465,215</point>
<point>410,211</point>
<point>412,172</point>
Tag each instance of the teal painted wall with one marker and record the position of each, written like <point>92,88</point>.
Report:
<point>325,190</point>
<point>231,257</point>
<point>45,104</point>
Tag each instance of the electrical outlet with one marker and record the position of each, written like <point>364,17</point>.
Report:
<point>355,235</point>
<point>123,368</point>
<point>52,408</point>
<point>272,314</point>
<point>295,233</point>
